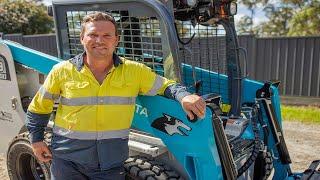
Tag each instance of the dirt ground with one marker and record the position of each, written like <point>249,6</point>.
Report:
<point>303,142</point>
<point>3,168</point>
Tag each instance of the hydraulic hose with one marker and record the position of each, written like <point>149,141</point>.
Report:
<point>257,143</point>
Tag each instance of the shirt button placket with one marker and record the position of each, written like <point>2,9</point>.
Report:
<point>99,136</point>
<point>101,102</point>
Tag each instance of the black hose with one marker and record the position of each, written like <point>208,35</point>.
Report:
<point>233,68</point>
<point>257,144</point>
<point>180,40</point>
<point>264,127</point>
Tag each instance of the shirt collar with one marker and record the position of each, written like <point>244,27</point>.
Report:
<point>78,60</point>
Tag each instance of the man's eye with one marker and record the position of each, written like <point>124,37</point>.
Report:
<point>92,35</point>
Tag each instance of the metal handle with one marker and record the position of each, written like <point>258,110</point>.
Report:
<point>14,103</point>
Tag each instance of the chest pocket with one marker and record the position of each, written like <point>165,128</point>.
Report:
<point>124,82</point>
<point>77,89</point>
<point>124,87</point>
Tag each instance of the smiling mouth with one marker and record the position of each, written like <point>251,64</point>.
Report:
<point>99,47</point>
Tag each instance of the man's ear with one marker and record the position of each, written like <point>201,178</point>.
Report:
<point>81,39</point>
<point>117,41</point>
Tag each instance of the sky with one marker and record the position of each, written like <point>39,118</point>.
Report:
<point>259,14</point>
<point>242,11</point>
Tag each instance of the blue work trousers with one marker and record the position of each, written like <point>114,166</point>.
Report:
<point>67,170</point>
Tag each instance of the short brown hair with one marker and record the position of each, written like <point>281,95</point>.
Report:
<point>97,16</point>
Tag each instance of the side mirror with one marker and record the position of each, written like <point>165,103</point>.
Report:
<point>233,8</point>
<point>50,10</point>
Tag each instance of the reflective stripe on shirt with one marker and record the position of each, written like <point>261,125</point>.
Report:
<point>46,95</point>
<point>87,135</point>
<point>156,86</point>
<point>98,100</point>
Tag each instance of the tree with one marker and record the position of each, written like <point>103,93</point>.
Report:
<point>26,17</point>
<point>245,25</point>
<point>291,17</point>
<point>306,22</point>
<point>279,15</point>
<point>278,24</point>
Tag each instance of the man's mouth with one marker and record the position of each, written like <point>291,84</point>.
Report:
<point>99,47</point>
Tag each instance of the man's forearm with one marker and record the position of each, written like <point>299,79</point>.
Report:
<point>36,124</point>
<point>176,91</point>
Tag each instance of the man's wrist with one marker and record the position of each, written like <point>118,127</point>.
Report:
<point>36,137</point>
<point>181,95</point>
<point>176,91</point>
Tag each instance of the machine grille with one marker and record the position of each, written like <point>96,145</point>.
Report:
<point>140,37</point>
<point>202,49</point>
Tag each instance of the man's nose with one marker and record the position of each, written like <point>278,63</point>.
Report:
<point>99,39</point>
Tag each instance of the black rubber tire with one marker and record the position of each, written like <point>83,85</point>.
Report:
<point>143,168</point>
<point>263,166</point>
<point>21,162</point>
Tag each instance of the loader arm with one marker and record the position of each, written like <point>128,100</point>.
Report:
<point>31,58</point>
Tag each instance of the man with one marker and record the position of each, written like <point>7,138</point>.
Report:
<point>97,91</point>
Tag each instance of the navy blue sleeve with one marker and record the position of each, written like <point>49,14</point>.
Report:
<point>176,91</point>
<point>36,124</point>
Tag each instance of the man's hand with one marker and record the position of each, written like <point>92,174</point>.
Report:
<point>41,151</point>
<point>194,103</point>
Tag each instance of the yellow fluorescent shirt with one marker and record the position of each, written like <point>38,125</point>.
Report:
<point>87,106</point>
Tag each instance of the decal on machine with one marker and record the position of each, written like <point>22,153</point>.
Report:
<point>170,125</point>
<point>142,111</point>
<point>5,116</point>
<point>4,69</point>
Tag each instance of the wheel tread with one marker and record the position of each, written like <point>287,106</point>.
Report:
<point>20,144</point>
<point>149,169</point>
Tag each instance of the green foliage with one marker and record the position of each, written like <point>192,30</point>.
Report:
<point>26,17</point>
<point>245,25</point>
<point>277,24</point>
<point>306,22</point>
<point>285,18</point>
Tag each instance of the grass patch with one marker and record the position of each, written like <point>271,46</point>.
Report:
<point>307,114</point>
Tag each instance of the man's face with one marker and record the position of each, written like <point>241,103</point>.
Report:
<point>99,39</point>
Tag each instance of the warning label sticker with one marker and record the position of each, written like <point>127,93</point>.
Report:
<point>5,116</point>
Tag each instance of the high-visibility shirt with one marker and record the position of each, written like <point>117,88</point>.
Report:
<point>89,110</point>
<point>92,120</point>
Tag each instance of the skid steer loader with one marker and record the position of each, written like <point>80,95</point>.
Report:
<point>191,41</point>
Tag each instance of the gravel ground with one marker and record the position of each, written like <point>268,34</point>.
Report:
<point>303,141</point>
<point>3,168</point>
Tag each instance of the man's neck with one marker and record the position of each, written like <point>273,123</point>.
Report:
<point>102,65</point>
<point>99,67</point>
